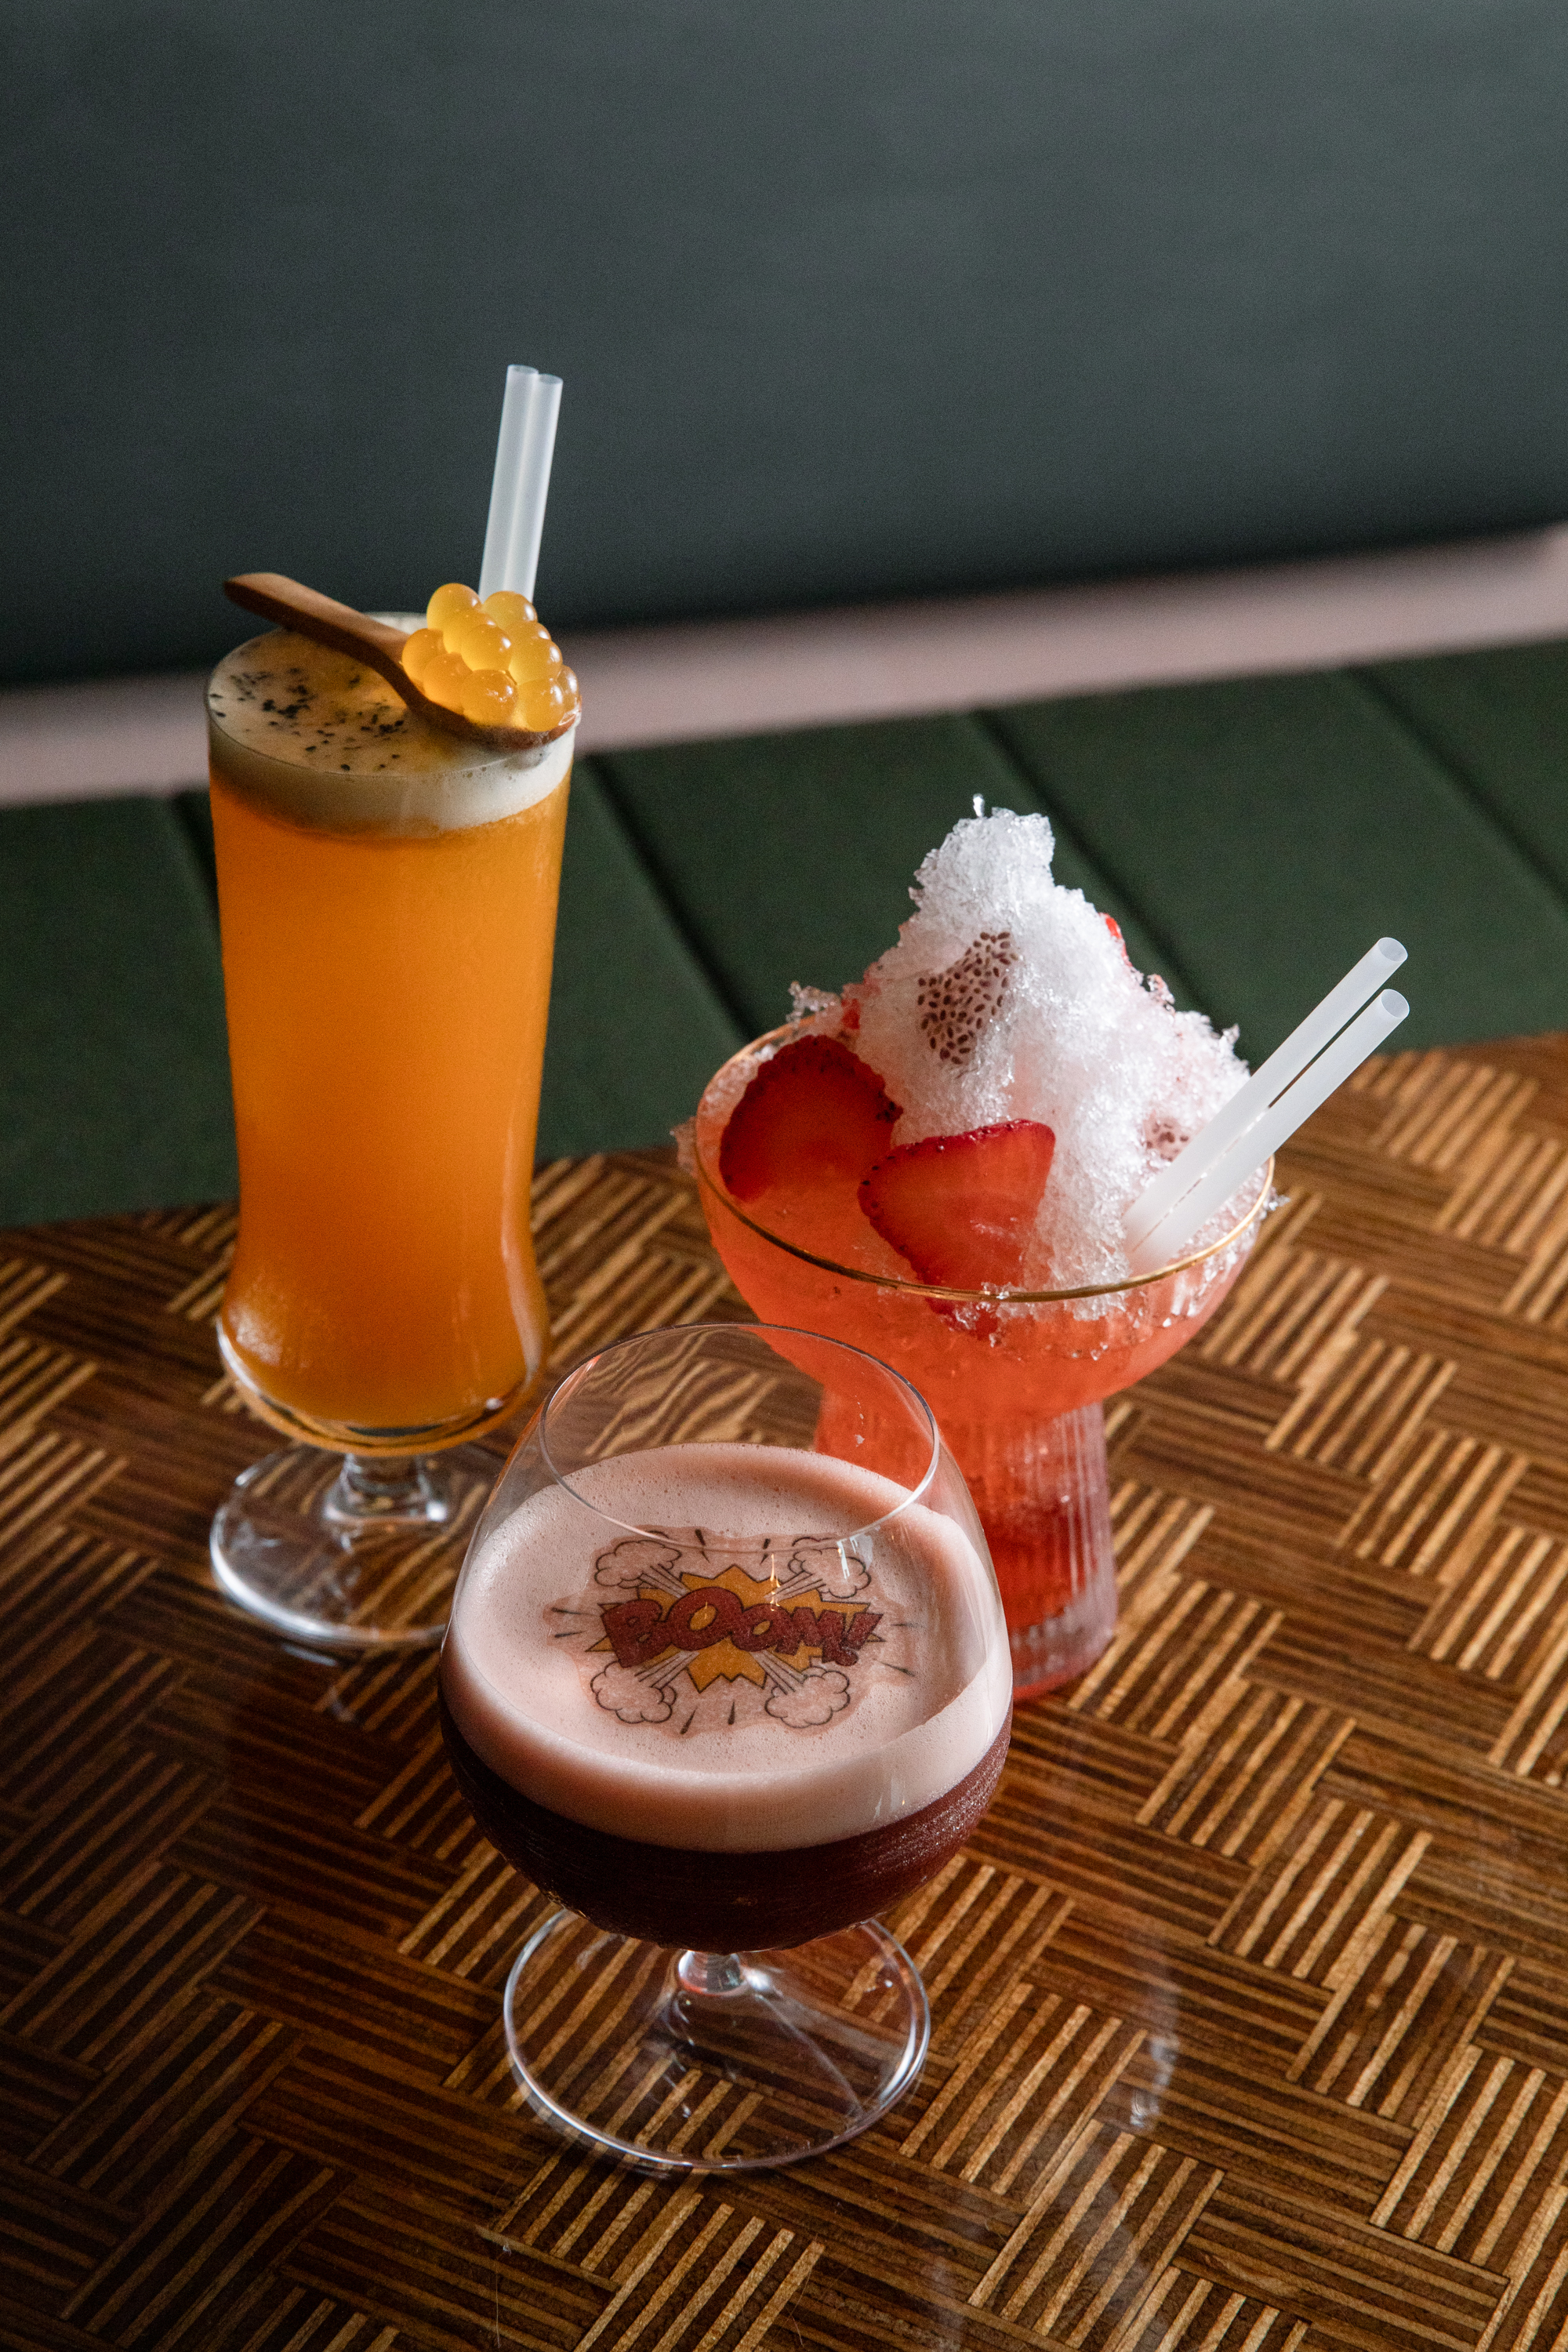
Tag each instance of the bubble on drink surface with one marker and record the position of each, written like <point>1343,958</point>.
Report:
<point>627,1693</point>
<point>821,1693</point>
<point>1066,1033</point>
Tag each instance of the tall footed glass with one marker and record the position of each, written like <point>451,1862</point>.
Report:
<point>387,896</point>
<point>727,1676</point>
<point>1017,1379</point>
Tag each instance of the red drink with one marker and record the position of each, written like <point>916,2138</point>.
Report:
<point>1014,1383</point>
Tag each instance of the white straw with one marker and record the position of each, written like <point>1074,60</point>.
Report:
<point>524,447</point>
<point>1248,1152</point>
<point>520,384</point>
<point>534,488</point>
<point>1281,1069</point>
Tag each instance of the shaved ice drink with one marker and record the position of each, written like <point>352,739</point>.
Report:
<point>735,1734</point>
<point>938,1165</point>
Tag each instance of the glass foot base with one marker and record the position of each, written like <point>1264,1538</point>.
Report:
<point>351,1552</point>
<point>692,2062</point>
<point>1057,1649</point>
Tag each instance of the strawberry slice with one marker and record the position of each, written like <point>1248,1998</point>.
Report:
<point>815,1114</point>
<point>962,1208</point>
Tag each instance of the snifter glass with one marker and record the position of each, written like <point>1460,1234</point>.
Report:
<point>726,1675</point>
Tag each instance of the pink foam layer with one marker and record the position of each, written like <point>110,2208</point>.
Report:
<point>929,1694</point>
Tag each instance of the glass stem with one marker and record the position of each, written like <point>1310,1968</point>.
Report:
<point>375,1490</point>
<point>710,1974</point>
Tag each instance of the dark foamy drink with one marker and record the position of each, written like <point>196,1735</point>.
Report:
<point>678,1696</point>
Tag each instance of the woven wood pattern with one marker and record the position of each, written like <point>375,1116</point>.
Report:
<point>1251,1999</point>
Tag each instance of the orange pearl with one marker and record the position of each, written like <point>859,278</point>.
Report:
<point>514,611</point>
<point>489,698</point>
<point>423,647</point>
<point>447,603</point>
<point>542,706</point>
<point>535,655</point>
<point>445,680</point>
<point>483,643</point>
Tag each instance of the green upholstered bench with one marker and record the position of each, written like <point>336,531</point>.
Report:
<point>1251,835</point>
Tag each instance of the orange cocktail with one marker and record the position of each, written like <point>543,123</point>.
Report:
<point>388,899</point>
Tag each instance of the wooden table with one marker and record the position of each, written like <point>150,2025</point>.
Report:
<point>1250,1996</point>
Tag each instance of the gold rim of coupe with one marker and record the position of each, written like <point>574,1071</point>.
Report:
<point>713,1184</point>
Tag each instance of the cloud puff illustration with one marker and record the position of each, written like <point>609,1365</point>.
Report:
<point>823,1693</point>
<point>621,1690</point>
<point>638,1559</point>
<point>837,1569</point>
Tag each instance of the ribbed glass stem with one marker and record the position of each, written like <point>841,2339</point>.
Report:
<point>1043,1495</point>
<point>384,1490</point>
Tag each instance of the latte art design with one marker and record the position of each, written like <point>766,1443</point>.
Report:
<point>704,1632</point>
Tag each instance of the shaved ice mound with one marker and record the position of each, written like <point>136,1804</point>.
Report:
<point>1010,997</point>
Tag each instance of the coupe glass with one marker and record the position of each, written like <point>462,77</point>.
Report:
<point>387,929</point>
<point>726,1674</point>
<point>1017,1379</point>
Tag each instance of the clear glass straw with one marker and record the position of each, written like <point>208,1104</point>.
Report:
<point>1281,1069</point>
<point>524,449</point>
<point>1250,1149</point>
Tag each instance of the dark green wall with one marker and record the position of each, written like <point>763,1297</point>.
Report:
<point>1253,837</point>
<point>851,300</point>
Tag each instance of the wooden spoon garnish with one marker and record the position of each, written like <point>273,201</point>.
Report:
<point>374,643</point>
